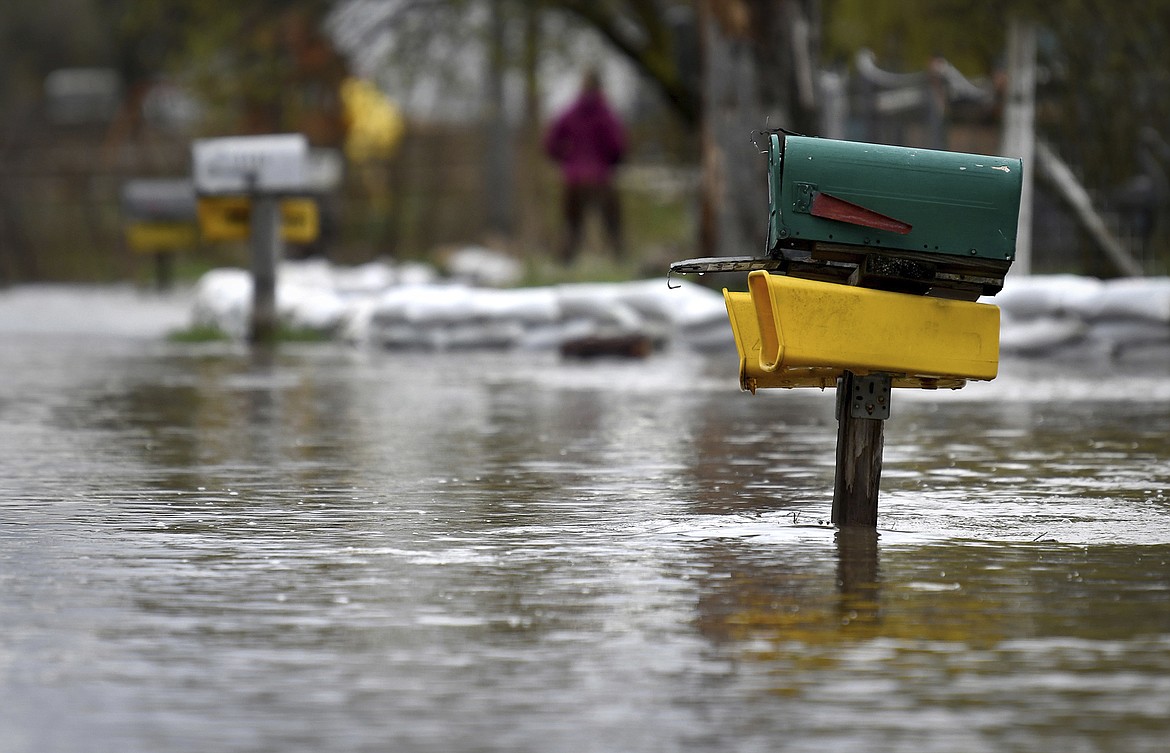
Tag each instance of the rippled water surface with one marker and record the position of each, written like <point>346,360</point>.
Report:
<point>207,549</point>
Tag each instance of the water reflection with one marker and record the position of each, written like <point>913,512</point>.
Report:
<point>858,576</point>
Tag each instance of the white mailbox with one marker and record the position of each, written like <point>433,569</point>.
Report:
<point>238,165</point>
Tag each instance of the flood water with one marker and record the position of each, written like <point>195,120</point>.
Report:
<point>204,548</point>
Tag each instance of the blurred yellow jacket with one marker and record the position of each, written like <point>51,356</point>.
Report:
<point>376,125</point>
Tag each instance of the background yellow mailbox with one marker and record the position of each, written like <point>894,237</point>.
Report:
<point>155,237</point>
<point>159,215</point>
<point>228,218</point>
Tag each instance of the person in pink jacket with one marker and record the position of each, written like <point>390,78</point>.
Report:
<point>588,141</point>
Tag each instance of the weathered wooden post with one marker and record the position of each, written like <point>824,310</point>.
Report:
<point>863,405</point>
<point>246,187</point>
<point>265,251</point>
<point>876,258</point>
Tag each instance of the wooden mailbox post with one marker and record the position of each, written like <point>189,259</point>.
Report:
<point>875,260</point>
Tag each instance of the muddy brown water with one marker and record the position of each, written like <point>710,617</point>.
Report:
<point>325,548</point>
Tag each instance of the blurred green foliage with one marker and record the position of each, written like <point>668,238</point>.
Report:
<point>905,34</point>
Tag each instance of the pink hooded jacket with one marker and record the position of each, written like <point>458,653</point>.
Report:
<point>587,140</point>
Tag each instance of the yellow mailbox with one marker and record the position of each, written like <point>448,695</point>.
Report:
<point>793,332</point>
<point>155,237</point>
<point>228,218</point>
<point>159,214</point>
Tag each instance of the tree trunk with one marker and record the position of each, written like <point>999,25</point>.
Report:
<point>759,72</point>
<point>498,173</point>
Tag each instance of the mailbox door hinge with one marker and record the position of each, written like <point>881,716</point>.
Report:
<point>803,200</point>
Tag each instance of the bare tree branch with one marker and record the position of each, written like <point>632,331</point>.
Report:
<point>644,36</point>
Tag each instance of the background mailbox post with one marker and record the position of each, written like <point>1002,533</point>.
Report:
<point>875,260</point>
<point>263,170</point>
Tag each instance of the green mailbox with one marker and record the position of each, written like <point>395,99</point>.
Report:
<point>915,220</point>
<point>896,218</point>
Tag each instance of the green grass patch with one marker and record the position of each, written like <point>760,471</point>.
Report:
<point>302,335</point>
<point>198,334</point>
<point>210,334</point>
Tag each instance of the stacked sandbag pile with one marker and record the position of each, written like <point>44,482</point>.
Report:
<point>1068,316</point>
<point>442,316</point>
<point>310,295</point>
<point>411,307</point>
